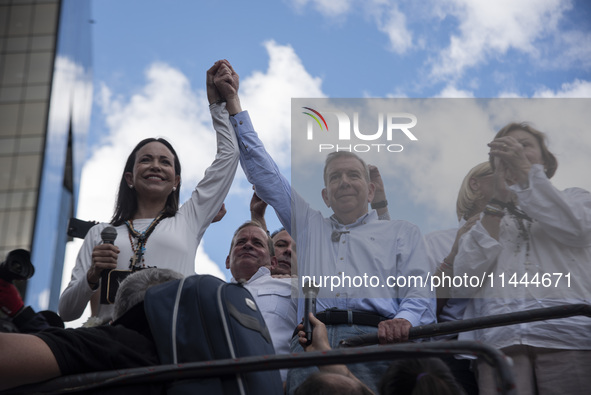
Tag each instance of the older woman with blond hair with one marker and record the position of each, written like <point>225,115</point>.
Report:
<point>532,245</point>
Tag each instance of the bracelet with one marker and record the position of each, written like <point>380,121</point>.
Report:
<point>493,211</point>
<point>498,202</point>
<point>377,205</point>
<point>445,264</point>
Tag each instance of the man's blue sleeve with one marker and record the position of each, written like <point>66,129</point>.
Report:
<point>261,170</point>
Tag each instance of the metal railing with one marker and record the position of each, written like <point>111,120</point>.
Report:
<point>348,354</point>
<point>168,373</point>
<point>471,324</point>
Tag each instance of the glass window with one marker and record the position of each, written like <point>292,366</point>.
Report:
<point>29,199</point>
<point>20,20</point>
<point>15,225</point>
<point>36,92</point>
<point>30,145</point>
<point>26,171</point>
<point>3,201</point>
<point>42,43</point>
<point>3,15</point>
<point>27,219</point>
<point>40,67</point>
<point>8,119</point>
<point>14,69</point>
<point>3,248</point>
<point>17,44</point>
<point>45,19</point>
<point>15,200</point>
<point>11,93</point>
<point>7,147</point>
<point>34,117</point>
<point>18,200</point>
<point>6,173</point>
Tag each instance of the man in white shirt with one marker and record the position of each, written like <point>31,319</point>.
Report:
<point>250,261</point>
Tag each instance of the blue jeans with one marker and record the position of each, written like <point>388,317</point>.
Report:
<point>368,372</point>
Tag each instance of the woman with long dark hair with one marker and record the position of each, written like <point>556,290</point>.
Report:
<point>152,231</point>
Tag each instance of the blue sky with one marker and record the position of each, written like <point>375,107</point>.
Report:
<point>150,59</point>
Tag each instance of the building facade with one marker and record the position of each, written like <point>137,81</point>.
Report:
<point>45,104</point>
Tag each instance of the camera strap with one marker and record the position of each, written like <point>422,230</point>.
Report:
<point>137,259</point>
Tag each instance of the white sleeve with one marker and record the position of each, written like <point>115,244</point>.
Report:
<point>565,216</point>
<point>208,196</point>
<point>77,294</point>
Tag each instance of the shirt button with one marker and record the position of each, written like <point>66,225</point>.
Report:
<point>337,295</point>
<point>344,241</point>
<point>342,258</point>
<point>240,122</point>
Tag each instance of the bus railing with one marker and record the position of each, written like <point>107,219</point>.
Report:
<point>348,353</point>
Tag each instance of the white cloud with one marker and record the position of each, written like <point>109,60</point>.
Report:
<point>330,8</point>
<point>204,265</point>
<point>576,89</point>
<point>385,13</point>
<point>487,29</point>
<point>267,95</point>
<point>509,95</point>
<point>451,91</point>
<point>391,21</point>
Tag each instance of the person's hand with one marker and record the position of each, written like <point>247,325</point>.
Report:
<point>500,176</point>
<point>319,335</point>
<point>511,155</point>
<point>213,95</point>
<point>10,300</point>
<point>104,257</point>
<point>393,331</point>
<point>226,80</point>
<point>376,178</point>
<point>257,208</point>
<point>218,217</point>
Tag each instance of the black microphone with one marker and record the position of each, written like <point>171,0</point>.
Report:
<point>109,234</point>
<point>310,294</point>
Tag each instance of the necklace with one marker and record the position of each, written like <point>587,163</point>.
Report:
<point>139,249</point>
<point>519,216</point>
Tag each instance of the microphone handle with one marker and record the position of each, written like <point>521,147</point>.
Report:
<point>310,307</point>
<point>105,278</point>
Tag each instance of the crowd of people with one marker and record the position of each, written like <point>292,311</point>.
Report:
<point>511,220</point>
